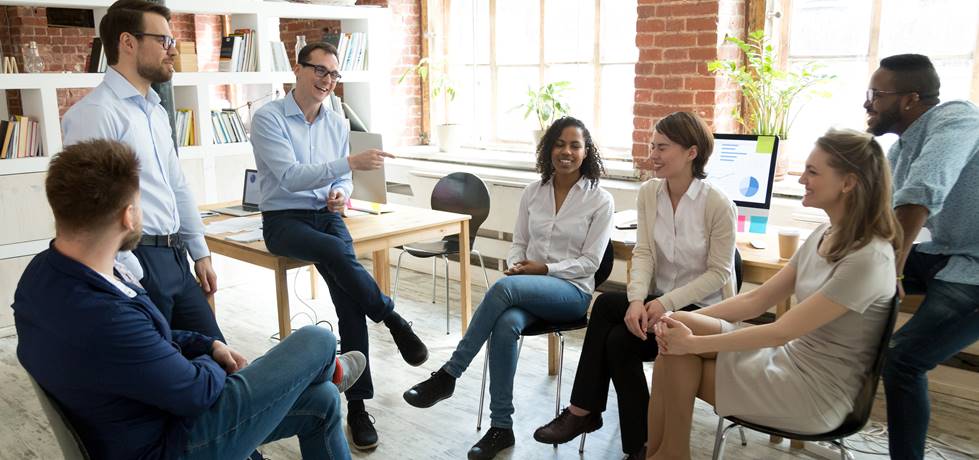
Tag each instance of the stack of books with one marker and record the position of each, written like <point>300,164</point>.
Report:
<point>227,126</point>
<point>20,138</point>
<point>351,49</point>
<point>186,60</point>
<point>186,135</point>
<point>238,52</point>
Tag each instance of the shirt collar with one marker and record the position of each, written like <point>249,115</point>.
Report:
<point>693,191</point>
<point>82,272</point>
<point>123,89</point>
<point>292,107</point>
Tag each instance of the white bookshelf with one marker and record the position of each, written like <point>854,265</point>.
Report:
<point>214,171</point>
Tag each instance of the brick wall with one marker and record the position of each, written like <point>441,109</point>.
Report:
<point>676,39</point>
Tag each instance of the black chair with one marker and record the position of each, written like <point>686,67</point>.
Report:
<point>544,327</point>
<point>68,439</point>
<point>461,193</point>
<point>854,421</point>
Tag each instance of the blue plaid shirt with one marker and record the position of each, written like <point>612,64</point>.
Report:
<point>935,165</point>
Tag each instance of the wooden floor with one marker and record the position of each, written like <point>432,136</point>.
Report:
<point>247,316</point>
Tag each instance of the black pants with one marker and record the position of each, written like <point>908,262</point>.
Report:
<point>322,237</point>
<point>174,290</point>
<point>611,352</point>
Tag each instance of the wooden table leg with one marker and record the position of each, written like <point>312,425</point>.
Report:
<point>382,271</point>
<point>282,302</point>
<point>464,287</point>
<point>552,351</point>
<point>313,282</point>
<point>796,444</point>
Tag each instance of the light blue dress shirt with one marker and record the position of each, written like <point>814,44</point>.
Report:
<point>116,110</point>
<point>935,165</point>
<point>299,162</point>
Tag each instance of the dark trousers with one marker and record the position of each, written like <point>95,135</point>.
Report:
<point>321,237</point>
<point>611,352</point>
<point>174,290</point>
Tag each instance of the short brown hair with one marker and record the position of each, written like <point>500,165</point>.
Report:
<point>688,130</point>
<point>323,46</point>
<point>125,16</point>
<point>90,183</point>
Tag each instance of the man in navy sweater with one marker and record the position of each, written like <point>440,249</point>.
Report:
<point>132,387</point>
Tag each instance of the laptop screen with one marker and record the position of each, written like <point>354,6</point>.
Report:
<point>252,194</point>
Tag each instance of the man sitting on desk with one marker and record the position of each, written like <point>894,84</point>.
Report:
<point>301,151</point>
<point>936,184</point>
<point>133,388</point>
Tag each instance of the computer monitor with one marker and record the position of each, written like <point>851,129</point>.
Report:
<point>368,185</point>
<point>743,167</point>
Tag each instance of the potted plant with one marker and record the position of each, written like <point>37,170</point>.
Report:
<point>546,104</point>
<point>768,91</point>
<point>448,134</point>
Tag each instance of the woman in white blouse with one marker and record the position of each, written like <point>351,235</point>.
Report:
<point>802,372</point>
<point>563,227</point>
<point>683,259</point>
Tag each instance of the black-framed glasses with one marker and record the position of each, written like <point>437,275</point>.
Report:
<point>874,94</point>
<point>321,71</point>
<point>165,40</point>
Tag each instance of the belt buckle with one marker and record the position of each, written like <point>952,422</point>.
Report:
<point>171,240</point>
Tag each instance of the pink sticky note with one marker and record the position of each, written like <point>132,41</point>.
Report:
<point>741,221</point>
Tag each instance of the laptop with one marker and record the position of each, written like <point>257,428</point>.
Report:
<point>370,187</point>
<point>250,197</point>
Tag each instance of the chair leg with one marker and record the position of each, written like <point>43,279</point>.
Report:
<point>482,390</point>
<point>485,276</point>
<point>744,441</point>
<point>397,276</point>
<point>844,452</point>
<point>581,446</point>
<point>446,260</point>
<point>719,437</point>
<point>560,369</point>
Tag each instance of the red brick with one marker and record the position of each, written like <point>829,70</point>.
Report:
<point>699,83</point>
<point>675,40</point>
<point>676,68</point>
<point>644,40</point>
<point>704,97</point>
<point>650,25</point>
<point>674,98</point>
<point>707,23</point>
<point>650,54</point>
<point>675,54</point>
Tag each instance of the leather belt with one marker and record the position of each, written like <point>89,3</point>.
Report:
<point>165,241</point>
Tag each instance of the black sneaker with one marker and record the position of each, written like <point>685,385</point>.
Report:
<point>496,440</point>
<point>438,387</point>
<point>414,352</point>
<point>362,432</point>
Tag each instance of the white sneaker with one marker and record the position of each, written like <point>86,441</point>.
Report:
<point>353,364</point>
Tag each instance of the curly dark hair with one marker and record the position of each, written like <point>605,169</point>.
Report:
<point>591,166</point>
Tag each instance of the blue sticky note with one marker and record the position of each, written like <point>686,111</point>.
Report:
<point>758,224</point>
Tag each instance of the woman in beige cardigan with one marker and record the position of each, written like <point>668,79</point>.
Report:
<point>683,260</point>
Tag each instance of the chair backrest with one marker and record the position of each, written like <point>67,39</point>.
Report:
<point>738,277</point>
<point>463,193</point>
<point>864,402</point>
<point>605,267</point>
<point>69,440</point>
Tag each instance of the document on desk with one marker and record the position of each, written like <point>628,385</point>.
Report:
<point>234,225</point>
<point>625,220</point>
<point>250,236</point>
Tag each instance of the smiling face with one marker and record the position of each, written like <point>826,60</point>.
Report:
<point>667,159</point>
<point>825,185</point>
<point>153,62</point>
<point>884,110</point>
<point>568,152</point>
<point>308,85</point>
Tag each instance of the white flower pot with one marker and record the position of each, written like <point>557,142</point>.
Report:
<point>449,137</point>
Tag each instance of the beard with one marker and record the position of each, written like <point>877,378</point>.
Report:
<point>160,73</point>
<point>132,239</point>
<point>886,121</point>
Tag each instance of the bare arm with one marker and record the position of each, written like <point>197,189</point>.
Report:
<point>755,303</point>
<point>911,217</point>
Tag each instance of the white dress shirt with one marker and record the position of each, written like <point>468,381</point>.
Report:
<point>681,241</point>
<point>572,241</point>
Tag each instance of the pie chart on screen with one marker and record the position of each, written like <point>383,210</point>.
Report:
<point>748,186</point>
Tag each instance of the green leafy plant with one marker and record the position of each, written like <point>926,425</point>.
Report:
<point>768,91</point>
<point>546,103</point>
<point>435,73</point>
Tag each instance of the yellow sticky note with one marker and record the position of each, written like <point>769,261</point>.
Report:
<point>766,144</point>
<point>376,207</point>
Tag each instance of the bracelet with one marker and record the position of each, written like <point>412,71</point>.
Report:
<point>900,277</point>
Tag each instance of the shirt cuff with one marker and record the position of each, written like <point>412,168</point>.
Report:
<point>197,248</point>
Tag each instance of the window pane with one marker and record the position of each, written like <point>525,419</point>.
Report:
<point>956,78</point>
<point>580,96</point>
<point>517,32</point>
<point>830,28</point>
<point>930,27</point>
<point>471,107</point>
<point>618,43</point>
<point>462,34</point>
<point>569,30</point>
<point>511,92</point>
<point>618,94</point>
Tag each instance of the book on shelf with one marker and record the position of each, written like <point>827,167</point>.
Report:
<point>20,137</point>
<point>227,127</point>
<point>186,134</point>
<point>351,49</point>
<point>238,53</point>
<point>280,60</point>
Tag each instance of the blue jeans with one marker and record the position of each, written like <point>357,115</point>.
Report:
<point>945,323</point>
<point>321,237</point>
<point>286,392</point>
<point>510,305</point>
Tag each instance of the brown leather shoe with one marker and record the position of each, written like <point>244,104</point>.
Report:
<point>567,426</point>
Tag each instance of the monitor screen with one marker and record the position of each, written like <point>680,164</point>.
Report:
<point>743,167</point>
<point>253,193</point>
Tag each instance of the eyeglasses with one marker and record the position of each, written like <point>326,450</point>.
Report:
<point>321,71</point>
<point>874,94</point>
<point>165,40</point>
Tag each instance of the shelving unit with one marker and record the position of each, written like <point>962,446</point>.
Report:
<point>213,171</point>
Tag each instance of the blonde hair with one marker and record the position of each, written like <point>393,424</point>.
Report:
<point>869,212</point>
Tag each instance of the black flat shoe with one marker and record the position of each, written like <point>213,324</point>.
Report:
<point>426,394</point>
<point>362,432</point>
<point>495,441</point>
<point>412,349</point>
<point>567,426</point>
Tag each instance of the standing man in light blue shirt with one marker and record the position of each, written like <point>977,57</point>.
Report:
<point>302,153</point>
<point>140,50</point>
<point>936,185</point>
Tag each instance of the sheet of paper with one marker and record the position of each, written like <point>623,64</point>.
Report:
<point>234,225</point>
<point>247,237</point>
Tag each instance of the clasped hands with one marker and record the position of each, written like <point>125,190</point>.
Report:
<point>672,336</point>
<point>527,267</point>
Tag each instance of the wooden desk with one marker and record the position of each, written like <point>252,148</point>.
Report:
<point>371,234</point>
